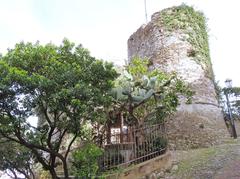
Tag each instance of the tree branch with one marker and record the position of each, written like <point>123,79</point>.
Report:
<point>60,139</point>
<point>50,133</point>
<point>44,110</point>
<point>69,146</point>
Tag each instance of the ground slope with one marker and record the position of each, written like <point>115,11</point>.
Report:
<point>218,162</point>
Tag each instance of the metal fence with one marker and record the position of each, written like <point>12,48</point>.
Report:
<point>136,146</point>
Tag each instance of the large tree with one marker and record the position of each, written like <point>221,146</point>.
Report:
<point>63,85</point>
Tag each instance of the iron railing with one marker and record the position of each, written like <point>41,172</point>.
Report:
<point>135,146</point>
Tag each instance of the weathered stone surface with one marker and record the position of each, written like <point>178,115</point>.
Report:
<point>200,123</point>
<point>147,169</point>
<point>196,125</point>
<point>174,168</point>
<point>160,174</point>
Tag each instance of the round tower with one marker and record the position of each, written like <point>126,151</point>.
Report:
<point>176,40</point>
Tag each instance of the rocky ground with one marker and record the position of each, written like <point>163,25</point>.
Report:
<point>219,162</point>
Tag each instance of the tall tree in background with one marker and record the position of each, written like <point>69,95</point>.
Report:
<point>236,102</point>
<point>234,98</point>
<point>63,85</point>
<point>229,100</point>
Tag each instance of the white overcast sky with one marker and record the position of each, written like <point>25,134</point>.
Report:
<point>103,26</point>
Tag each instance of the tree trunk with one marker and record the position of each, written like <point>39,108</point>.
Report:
<point>32,173</point>
<point>53,173</point>
<point>65,169</point>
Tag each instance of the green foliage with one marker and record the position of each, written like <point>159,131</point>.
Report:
<point>160,143</point>
<point>15,158</point>
<point>138,67</point>
<point>193,23</point>
<point>85,161</point>
<point>63,85</point>
<point>142,93</point>
<point>218,91</point>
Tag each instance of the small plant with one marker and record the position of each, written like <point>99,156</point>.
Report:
<point>160,143</point>
<point>85,161</point>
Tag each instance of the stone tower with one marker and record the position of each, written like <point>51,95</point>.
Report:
<point>176,40</point>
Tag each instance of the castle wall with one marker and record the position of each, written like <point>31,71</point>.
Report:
<point>178,44</point>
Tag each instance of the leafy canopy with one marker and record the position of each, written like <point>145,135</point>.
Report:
<point>63,85</point>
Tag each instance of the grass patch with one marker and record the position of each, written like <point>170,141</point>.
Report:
<point>231,141</point>
<point>194,161</point>
<point>195,158</point>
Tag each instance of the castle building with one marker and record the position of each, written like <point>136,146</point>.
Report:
<point>176,40</point>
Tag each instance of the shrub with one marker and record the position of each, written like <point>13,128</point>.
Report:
<point>159,143</point>
<point>85,161</point>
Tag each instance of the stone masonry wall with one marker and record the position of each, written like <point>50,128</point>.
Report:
<point>180,45</point>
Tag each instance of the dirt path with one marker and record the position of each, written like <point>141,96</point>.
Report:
<point>220,162</point>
